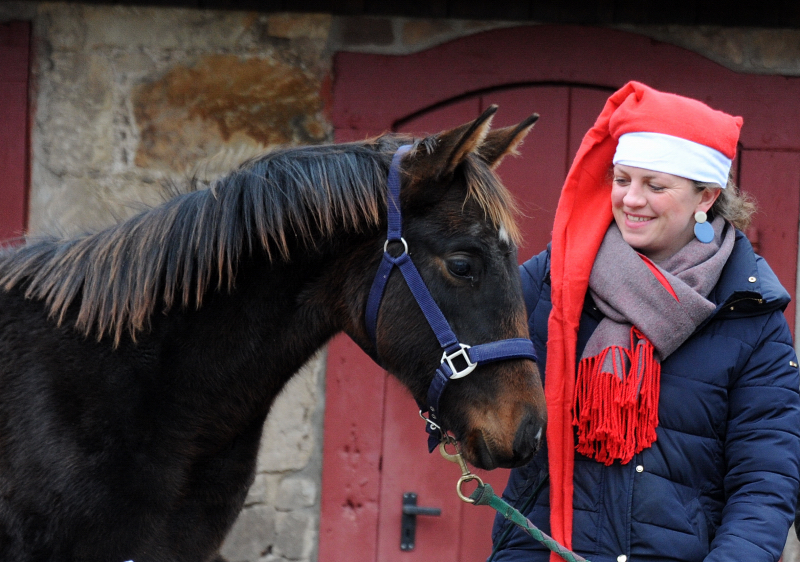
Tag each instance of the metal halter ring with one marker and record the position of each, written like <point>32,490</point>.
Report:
<point>467,478</point>
<point>405,246</point>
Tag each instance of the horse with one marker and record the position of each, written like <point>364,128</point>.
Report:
<point>138,363</point>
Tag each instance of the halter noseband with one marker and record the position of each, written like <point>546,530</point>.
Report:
<point>458,359</point>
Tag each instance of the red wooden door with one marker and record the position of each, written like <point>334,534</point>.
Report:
<point>374,441</point>
<point>461,534</point>
<point>14,55</point>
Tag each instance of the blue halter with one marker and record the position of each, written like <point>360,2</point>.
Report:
<point>458,359</point>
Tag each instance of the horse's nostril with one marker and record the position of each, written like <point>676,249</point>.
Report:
<point>483,456</point>
<point>528,437</point>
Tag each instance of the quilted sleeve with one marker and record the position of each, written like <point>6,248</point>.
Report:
<point>762,450</point>
<point>532,273</point>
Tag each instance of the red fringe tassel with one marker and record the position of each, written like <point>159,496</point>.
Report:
<point>617,413</point>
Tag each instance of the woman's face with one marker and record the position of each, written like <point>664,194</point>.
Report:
<point>655,211</point>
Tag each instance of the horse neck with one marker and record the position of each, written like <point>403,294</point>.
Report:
<point>277,316</point>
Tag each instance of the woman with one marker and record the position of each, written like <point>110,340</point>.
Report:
<point>671,381</point>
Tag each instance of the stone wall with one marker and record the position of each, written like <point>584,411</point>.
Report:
<point>126,100</point>
<point>130,101</point>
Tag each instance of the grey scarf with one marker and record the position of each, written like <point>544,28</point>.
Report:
<point>649,312</point>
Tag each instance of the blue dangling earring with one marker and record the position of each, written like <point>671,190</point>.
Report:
<point>702,229</point>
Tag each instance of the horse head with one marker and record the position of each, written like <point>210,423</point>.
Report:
<point>458,228</point>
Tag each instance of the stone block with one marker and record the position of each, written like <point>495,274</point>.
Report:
<point>131,28</point>
<point>295,534</point>
<point>289,435</point>
<point>295,493</point>
<point>62,26</point>
<point>772,51</point>
<point>74,122</point>
<point>299,26</point>
<point>252,536</point>
<point>754,50</point>
<point>68,205</point>
<point>264,489</point>
<point>196,110</point>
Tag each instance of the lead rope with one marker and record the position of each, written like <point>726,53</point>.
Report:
<point>484,495</point>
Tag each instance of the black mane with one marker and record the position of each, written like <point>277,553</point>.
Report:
<point>173,252</point>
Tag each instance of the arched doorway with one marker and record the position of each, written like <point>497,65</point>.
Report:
<point>374,442</point>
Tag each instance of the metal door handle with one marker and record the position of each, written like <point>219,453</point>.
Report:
<point>408,522</point>
<point>414,510</point>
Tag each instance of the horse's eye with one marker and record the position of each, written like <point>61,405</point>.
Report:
<point>460,267</point>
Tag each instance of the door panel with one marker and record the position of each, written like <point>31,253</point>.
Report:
<point>535,177</point>
<point>14,55</point>
<point>351,463</point>
<point>443,118</point>
<point>407,467</point>
<point>585,105</point>
<point>774,180</point>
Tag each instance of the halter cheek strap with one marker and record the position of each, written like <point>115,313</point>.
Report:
<point>458,359</point>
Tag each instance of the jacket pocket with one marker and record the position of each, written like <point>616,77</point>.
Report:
<point>668,517</point>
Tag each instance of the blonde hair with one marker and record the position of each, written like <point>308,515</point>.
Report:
<point>733,204</point>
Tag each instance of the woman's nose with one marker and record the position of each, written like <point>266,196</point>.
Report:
<point>634,197</point>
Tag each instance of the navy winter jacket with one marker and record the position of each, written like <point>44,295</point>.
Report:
<point>721,481</point>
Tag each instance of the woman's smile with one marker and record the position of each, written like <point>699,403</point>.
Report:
<point>655,210</point>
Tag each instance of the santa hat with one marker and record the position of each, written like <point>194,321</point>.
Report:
<point>641,127</point>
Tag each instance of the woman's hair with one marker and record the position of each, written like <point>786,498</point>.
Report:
<point>732,204</point>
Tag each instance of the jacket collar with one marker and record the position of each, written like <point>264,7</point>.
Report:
<point>747,278</point>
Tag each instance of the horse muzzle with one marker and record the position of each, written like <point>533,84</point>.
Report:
<point>485,452</point>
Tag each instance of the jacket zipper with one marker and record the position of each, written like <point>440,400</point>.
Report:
<point>730,305</point>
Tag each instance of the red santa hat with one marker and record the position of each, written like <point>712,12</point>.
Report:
<point>641,127</point>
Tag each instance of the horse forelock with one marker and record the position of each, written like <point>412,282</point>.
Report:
<point>496,201</point>
<point>173,253</point>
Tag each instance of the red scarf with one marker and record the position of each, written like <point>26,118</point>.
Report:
<point>581,222</point>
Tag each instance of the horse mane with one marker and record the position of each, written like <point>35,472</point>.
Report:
<point>173,252</point>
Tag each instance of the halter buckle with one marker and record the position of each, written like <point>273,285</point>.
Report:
<point>462,353</point>
<point>430,422</point>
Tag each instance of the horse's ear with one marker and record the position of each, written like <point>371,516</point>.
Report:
<point>440,155</point>
<point>502,142</point>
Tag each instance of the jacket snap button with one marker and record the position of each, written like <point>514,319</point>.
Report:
<point>752,279</point>
<point>622,558</point>
<point>639,468</point>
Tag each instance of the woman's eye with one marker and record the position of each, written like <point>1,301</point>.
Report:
<point>656,187</point>
<point>620,181</point>
<point>460,268</point>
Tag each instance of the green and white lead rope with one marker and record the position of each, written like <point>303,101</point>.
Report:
<point>484,495</point>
